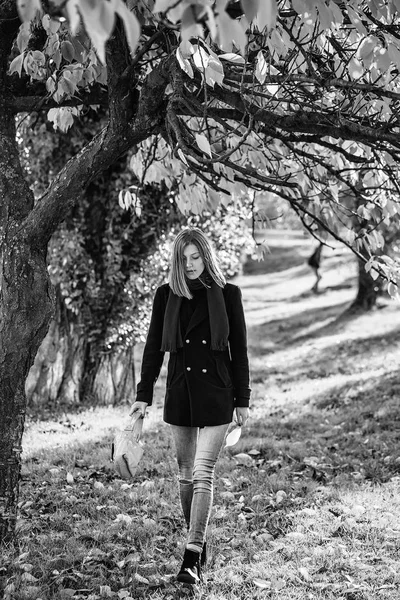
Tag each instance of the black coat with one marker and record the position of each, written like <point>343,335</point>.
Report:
<point>203,385</point>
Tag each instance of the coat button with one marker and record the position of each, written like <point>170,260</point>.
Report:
<point>204,370</point>
<point>187,341</point>
<point>188,368</point>
<point>203,342</point>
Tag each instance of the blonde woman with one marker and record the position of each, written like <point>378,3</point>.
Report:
<point>198,318</point>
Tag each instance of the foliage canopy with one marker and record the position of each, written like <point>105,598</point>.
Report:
<point>297,99</point>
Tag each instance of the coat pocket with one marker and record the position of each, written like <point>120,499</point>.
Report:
<point>171,368</point>
<point>223,372</point>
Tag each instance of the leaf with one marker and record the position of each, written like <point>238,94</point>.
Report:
<point>74,17</point>
<point>203,144</point>
<point>393,290</point>
<point>304,573</point>
<point>200,58</point>
<point>67,50</point>
<point>16,65</point>
<point>233,437</point>
<point>190,28</point>
<point>50,25</point>
<point>267,14</point>
<point>182,157</point>
<point>250,8</point>
<point>281,495</point>
<point>163,5</point>
<point>141,579</point>
<point>184,64</point>
<point>131,24</point>
<point>355,68</point>
<point>232,57</point>
<point>214,72</point>
<point>231,33</point>
<point>70,477</point>
<point>27,9</point>
<point>261,67</point>
<point>23,36</point>
<point>99,18</point>
<point>263,584</point>
<point>121,518</point>
<point>244,459</point>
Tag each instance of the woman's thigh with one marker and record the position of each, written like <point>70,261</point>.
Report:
<point>210,441</point>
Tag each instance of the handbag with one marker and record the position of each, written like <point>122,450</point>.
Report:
<point>127,449</point>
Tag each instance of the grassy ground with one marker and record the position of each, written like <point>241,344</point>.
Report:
<point>311,508</point>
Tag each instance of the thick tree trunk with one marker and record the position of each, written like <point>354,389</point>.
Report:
<point>25,312</point>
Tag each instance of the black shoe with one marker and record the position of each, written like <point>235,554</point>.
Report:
<point>203,556</point>
<point>190,570</point>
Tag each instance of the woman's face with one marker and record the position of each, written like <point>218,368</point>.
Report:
<point>192,262</point>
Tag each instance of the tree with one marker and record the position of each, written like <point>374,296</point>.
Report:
<point>290,97</point>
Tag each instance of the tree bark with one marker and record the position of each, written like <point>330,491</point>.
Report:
<point>26,306</point>
<point>368,289</point>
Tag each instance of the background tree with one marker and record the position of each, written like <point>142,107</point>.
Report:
<point>105,261</point>
<point>290,97</point>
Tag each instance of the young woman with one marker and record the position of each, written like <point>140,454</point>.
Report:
<point>198,318</point>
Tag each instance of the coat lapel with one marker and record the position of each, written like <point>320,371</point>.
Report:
<point>199,315</point>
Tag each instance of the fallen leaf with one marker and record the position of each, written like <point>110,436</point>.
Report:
<point>123,518</point>
<point>280,496</point>
<point>70,478</point>
<point>304,573</point>
<point>244,459</point>
<point>263,584</point>
<point>28,578</point>
<point>228,496</point>
<point>254,452</point>
<point>141,579</point>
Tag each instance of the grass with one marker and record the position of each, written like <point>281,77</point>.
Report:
<point>314,512</point>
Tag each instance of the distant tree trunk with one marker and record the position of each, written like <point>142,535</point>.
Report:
<point>57,371</point>
<point>368,289</point>
<point>68,369</point>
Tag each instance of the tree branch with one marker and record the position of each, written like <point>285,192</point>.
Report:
<point>96,156</point>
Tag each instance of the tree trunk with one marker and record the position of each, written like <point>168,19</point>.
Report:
<point>25,313</point>
<point>368,289</point>
<point>57,372</point>
<point>114,380</point>
<point>65,371</point>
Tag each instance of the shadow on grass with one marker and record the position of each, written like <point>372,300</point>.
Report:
<point>350,432</point>
<point>287,331</point>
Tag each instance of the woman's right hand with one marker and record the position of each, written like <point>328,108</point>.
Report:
<point>138,407</point>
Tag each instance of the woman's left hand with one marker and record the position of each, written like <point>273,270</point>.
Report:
<point>242,414</point>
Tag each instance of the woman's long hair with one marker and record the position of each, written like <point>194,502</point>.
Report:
<point>177,278</point>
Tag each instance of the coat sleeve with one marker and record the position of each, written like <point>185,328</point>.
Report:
<point>238,349</point>
<point>152,356</point>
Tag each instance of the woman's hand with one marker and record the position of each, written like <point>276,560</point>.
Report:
<point>242,414</point>
<point>138,407</point>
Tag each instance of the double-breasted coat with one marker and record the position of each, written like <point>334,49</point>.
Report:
<point>203,385</point>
